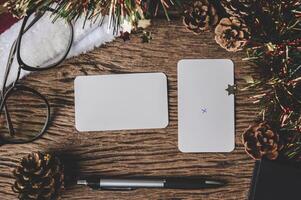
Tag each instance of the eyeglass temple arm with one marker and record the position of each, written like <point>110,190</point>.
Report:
<point>7,116</point>
<point>9,64</point>
<point>8,67</point>
<point>12,53</point>
<point>9,122</point>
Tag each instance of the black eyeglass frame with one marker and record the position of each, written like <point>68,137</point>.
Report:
<point>15,86</point>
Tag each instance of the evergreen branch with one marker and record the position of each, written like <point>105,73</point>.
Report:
<point>277,55</point>
<point>118,10</point>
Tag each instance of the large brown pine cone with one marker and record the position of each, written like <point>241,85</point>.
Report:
<point>260,141</point>
<point>200,16</point>
<point>39,177</point>
<point>232,34</point>
<point>239,8</point>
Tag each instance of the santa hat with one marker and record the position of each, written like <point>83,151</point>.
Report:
<point>6,19</point>
<point>85,39</point>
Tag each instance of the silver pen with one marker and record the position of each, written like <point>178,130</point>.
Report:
<point>168,183</point>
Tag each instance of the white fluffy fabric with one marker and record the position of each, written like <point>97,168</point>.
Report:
<point>46,40</point>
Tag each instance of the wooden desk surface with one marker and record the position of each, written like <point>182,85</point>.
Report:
<point>142,152</point>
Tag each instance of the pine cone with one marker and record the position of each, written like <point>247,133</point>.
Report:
<point>40,176</point>
<point>260,141</point>
<point>200,16</point>
<point>239,8</point>
<point>232,34</point>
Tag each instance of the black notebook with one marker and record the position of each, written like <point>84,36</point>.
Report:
<point>274,180</point>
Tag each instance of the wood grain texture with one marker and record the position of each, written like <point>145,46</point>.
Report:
<point>136,153</point>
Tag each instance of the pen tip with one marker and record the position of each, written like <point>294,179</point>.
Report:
<point>217,183</point>
<point>82,182</point>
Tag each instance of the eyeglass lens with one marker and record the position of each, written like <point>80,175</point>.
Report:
<point>46,42</point>
<point>28,114</point>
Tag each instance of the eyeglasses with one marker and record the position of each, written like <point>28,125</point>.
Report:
<point>24,112</point>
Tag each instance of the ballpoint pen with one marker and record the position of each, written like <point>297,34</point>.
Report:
<point>168,183</point>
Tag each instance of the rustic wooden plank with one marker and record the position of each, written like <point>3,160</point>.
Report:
<point>141,152</point>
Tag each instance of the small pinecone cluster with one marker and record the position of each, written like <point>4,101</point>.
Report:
<point>239,8</point>
<point>200,16</point>
<point>232,34</point>
<point>261,141</point>
<point>39,177</point>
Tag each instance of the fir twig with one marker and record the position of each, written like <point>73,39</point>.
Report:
<point>118,10</point>
<point>277,56</point>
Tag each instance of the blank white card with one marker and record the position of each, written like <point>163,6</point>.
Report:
<point>206,117</point>
<point>121,102</point>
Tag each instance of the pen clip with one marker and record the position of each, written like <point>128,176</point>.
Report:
<point>117,188</point>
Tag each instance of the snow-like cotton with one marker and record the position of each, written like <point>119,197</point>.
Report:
<point>46,40</point>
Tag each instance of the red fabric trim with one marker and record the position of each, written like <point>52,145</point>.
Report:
<point>6,21</point>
